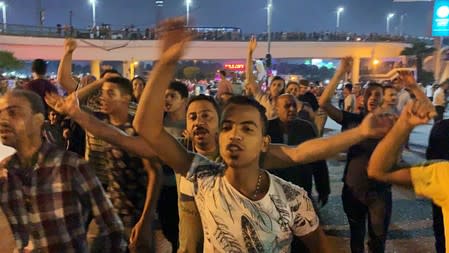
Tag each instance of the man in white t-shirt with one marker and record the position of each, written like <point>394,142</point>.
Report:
<point>349,103</point>
<point>242,207</point>
<point>439,100</point>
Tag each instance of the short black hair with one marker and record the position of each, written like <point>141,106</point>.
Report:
<point>138,78</point>
<point>39,67</point>
<point>371,86</point>
<point>304,82</point>
<point>374,85</point>
<point>292,82</point>
<point>112,71</point>
<point>244,100</point>
<point>180,87</point>
<point>124,85</point>
<point>203,97</point>
<point>277,78</point>
<point>36,102</point>
<point>388,86</point>
<point>348,86</point>
<point>223,72</point>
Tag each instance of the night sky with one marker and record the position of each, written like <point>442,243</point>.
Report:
<point>361,16</point>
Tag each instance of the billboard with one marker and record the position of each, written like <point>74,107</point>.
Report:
<point>234,66</point>
<point>440,18</point>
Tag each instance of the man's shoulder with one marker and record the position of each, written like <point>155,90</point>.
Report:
<point>40,83</point>
<point>284,188</point>
<point>202,167</point>
<point>303,124</point>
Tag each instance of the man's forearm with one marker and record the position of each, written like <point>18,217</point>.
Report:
<point>283,156</point>
<point>65,73</point>
<point>387,151</point>
<point>330,88</point>
<point>86,91</point>
<point>419,94</point>
<point>249,68</point>
<point>154,171</point>
<point>323,148</point>
<point>113,135</point>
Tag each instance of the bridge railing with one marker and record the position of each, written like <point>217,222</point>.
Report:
<point>217,34</point>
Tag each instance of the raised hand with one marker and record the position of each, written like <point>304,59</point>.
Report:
<point>345,65</point>
<point>406,78</point>
<point>69,45</point>
<point>252,45</point>
<point>417,113</point>
<point>66,106</point>
<point>173,31</point>
<point>377,125</point>
<point>174,38</point>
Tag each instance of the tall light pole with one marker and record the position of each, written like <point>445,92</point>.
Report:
<point>389,17</point>
<point>339,12</point>
<point>401,25</point>
<point>3,6</point>
<point>188,3</point>
<point>94,18</point>
<point>269,15</point>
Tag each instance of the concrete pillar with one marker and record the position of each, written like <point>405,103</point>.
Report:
<point>437,59</point>
<point>128,69</point>
<point>355,70</point>
<point>95,68</point>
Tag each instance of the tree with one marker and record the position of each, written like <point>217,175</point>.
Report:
<point>191,72</point>
<point>9,62</point>
<point>419,50</point>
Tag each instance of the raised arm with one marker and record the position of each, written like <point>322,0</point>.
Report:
<point>282,156</point>
<point>386,152</point>
<point>251,85</point>
<point>70,106</point>
<point>65,66</point>
<point>149,116</point>
<point>408,81</point>
<point>325,101</point>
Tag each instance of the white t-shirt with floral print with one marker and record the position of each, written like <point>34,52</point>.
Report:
<point>234,223</point>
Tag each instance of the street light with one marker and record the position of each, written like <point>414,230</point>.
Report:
<point>339,12</point>
<point>402,24</point>
<point>389,17</point>
<point>188,3</point>
<point>3,6</point>
<point>269,14</point>
<point>94,22</point>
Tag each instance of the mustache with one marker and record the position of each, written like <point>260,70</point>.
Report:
<point>198,129</point>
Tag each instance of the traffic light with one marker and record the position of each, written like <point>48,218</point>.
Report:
<point>268,61</point>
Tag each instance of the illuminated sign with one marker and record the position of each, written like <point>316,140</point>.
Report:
<point>440,20</point>
<point>235,66</point>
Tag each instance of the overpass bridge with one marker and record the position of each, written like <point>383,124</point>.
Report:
<point>128,51</point>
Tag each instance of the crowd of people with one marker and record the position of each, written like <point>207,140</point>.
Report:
<point>119,165</point>
<point>132,32</point>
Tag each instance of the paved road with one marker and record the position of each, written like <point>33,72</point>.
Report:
<point>411,227</point>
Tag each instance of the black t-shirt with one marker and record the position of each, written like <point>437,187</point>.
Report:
<point>300,131</point>
<point>308,97</point>
<point>438,147</point>
<point>355,175</point>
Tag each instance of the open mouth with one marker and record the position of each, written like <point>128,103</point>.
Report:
<point>5,131</point>
<point>234,147</point>
<point>200,131</point>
